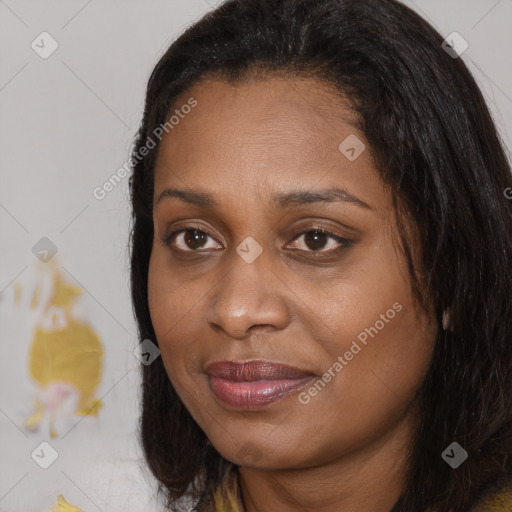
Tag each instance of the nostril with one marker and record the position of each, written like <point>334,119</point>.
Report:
<point>259,329</point>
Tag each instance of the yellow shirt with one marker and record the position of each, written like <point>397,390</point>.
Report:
<point>226,499</point>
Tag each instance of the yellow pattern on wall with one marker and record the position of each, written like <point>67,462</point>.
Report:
<point>65,359</point>
<point>64,506</point>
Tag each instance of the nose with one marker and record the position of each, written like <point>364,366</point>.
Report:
<point>249,298</point>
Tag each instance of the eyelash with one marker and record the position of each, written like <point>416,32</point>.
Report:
<point>345,242</point>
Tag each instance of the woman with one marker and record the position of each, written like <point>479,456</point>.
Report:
<point>321,251</point>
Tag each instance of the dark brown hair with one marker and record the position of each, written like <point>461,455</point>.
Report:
<point>436,146</point>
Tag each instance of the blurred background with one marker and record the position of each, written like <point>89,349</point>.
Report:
<point>72,83</point>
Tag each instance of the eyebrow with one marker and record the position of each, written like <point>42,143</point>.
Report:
<point>288,200</point>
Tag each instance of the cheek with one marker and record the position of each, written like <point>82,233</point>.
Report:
<point>388,361</point>
<point>168,307</point>
<point>395,354</point>
<point>174,309</point>
<point>385,343</point>
<point>171,301</point>
<point>161,296</point>
<point>370,392</point>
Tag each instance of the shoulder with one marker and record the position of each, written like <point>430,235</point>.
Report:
<point>205,503</point>
<point>225,498</point>
<point>496,501</point>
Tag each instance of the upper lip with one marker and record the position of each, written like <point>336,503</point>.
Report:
<point>248,371</point>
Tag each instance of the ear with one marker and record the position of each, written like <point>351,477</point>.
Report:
<point>446,320</point>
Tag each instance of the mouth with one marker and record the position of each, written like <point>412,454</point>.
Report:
<point>254,384</point>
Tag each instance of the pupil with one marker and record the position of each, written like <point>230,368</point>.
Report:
<point>318,240</point>
<point>198,238</point>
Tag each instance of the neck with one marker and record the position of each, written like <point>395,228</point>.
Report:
<point>372,478</point>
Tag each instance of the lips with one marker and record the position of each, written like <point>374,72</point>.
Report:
<point>253,384</point>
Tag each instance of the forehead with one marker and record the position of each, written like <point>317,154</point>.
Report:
<point>264,136</point>
<point>298,109</point>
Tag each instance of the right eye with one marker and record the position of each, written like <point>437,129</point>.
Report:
<point>188,239</point>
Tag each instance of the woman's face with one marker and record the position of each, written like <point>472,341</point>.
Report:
<point>256,283</point>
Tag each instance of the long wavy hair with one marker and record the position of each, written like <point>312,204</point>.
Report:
<point>437,148</point>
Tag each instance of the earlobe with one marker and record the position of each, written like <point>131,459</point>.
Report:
<point>446,320</point>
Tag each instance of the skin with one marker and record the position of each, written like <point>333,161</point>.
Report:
<point>346,448</point>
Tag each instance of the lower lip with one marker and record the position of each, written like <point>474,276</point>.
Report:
<point>251,395</point>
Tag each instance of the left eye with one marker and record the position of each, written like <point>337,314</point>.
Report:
<point>316,239</point>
